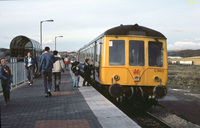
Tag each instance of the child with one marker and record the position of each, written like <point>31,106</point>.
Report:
<point>77,75</point>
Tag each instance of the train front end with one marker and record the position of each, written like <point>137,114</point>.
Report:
<point>135,62</point>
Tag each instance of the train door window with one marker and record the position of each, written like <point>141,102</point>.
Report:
<point>155,54</point>
<point>117,52</point>
<point>136,53</point>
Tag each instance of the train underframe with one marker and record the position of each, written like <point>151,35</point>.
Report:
<point>140,97</point>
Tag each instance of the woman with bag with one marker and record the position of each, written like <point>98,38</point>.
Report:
<point>58,67</point>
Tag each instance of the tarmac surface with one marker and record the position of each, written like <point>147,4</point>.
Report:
<point>183,104</point>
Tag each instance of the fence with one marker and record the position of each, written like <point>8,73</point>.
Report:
<point>17,69</point>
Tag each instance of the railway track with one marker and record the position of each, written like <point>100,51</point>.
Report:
<point>143,118</point>
<point>164,124</point>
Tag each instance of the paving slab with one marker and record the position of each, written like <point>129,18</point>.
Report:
<point>29,108</point>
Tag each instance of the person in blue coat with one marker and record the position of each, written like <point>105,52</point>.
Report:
<point>45,65</point>
<point>6,80</point>
<point>29,66</point>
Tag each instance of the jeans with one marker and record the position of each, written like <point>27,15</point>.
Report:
<point>67,66</point>
<point>29,72</point>
<point>47,80</point>
<point>56,78</point>
<point>76,81</point>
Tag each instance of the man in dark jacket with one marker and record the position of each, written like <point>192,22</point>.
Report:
<point>29,66</point>
<point>6,80</point>
<point>87,72</point>
<point>46,61</point>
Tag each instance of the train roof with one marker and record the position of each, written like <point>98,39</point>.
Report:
<point>133,30</point>
<point>128,30</point>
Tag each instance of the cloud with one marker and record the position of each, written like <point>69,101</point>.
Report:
<point>50,42</point>
<point>178,30</point>
<point>184,45</point>
<point>197,39</point>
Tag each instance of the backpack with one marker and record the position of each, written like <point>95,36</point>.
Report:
<point>74,68</point>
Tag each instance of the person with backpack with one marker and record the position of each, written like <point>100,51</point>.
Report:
<point>77,75</point>
<point>58,67</point>
<point>87,72</point>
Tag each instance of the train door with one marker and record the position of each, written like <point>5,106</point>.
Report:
<point>97,59</point>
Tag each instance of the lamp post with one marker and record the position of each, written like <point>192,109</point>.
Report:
<point>55,40</point>
<point>41,29</point>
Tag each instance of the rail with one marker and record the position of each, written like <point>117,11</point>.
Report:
<point>166,125</point>
<point>16,65</point>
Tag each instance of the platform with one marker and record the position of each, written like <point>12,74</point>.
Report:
<point>72,107</point>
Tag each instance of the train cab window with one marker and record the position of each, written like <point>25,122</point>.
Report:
<point>136,53</point>
<point>155,54</point>
<point>117,52</point>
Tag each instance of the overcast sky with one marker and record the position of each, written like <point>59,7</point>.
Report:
<point>80,21</point>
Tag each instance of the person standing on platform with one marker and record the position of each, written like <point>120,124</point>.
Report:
<point>77,75</point>
<point>46,61</point>
<point>6,80</point>
<point>29,66</point>
<point>67,62</point>
<point>58,66</point>
<point>87,72</point>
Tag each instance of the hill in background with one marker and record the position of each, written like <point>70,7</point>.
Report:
<point>184,53</point>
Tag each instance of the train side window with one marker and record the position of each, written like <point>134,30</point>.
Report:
<point>155,54</point>
<point>117,52</point>
<point>136,53</point>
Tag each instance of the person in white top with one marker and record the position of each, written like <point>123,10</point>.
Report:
<point>58,67</point>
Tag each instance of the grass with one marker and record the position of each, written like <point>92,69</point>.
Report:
<point>184,77</point>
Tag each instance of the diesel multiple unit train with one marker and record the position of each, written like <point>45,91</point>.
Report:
<point>129,60</point>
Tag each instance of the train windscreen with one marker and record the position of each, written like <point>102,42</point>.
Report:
<point>117,52</point>
<point>136,53</point>
<point>155,54</point>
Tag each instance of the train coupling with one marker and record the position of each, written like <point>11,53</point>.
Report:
<point>160,91</point>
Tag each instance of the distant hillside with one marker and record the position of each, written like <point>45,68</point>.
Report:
<point>4,52</point>
<point>184,53</point>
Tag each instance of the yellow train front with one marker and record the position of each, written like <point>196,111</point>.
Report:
<point>129,60</point>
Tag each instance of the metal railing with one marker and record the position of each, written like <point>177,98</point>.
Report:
<point>17,70</point>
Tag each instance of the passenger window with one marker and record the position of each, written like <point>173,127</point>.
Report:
<point>117,52</point>
<point>155,54</point>
<point>136,53</point>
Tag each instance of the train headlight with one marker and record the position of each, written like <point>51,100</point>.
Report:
<point>157,79</point>
<point>116,77</point>
<point>137,79</point>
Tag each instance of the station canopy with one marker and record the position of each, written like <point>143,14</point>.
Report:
<point>21,45</point>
